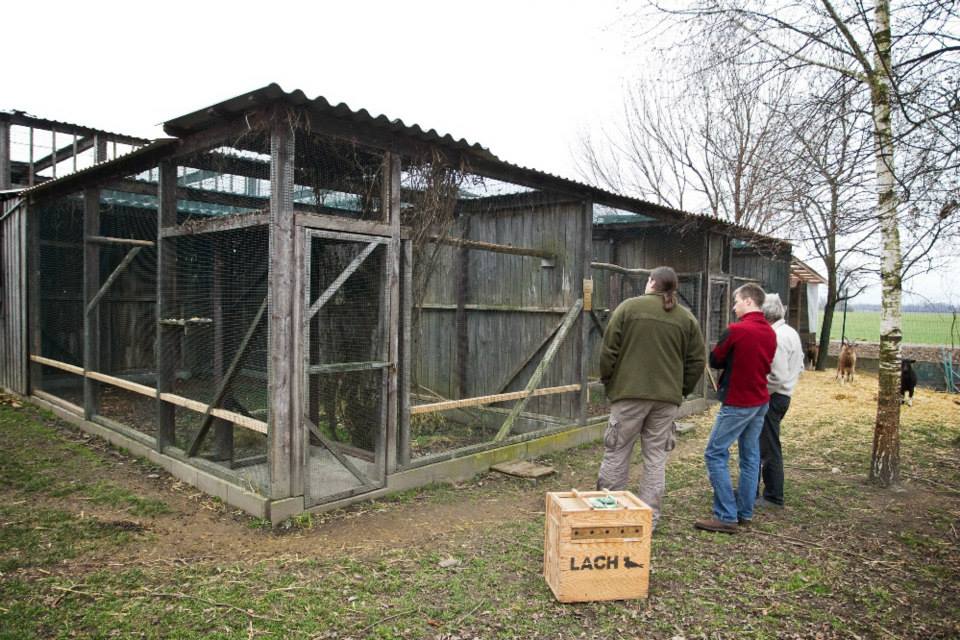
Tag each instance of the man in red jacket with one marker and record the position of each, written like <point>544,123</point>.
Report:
<point>744,352</point>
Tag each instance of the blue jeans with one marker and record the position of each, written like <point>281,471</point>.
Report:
<point>741,425</point>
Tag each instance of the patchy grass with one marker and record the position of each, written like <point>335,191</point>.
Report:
<point>845,559</point>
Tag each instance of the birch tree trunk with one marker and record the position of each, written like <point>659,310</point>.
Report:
<point>885,460</point>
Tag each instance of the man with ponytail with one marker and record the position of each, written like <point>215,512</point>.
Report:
<point>652,356</point>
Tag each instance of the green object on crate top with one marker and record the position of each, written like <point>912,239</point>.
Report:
<point>603,502</point>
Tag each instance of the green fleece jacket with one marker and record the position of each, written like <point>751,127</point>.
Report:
<point>651,354</point>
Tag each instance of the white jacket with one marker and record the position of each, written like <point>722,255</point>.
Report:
<point>787,361</point>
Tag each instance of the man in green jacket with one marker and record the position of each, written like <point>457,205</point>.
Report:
<point>653,355</point>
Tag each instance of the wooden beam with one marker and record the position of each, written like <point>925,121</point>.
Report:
<point>92,292</point>
<point>343,367</point>
<point>283,449</point>
<point>447,405</point>
<point>166,337</point>
<point>462,275</point>
<point>341,223</point>
<point>213,225</point>
<point>495,248</point>
<point>606,266</point>
<point>405,357</point>
<point>228,377</point>
<point>583,269</point>
<point>502,308</point>
<point>534,382</point>
<point>125,241</point>
<point>171,398</point>
<point>6,179</point>
<point>390,199</point>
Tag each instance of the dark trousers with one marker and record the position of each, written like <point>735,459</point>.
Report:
<point>771,455</point>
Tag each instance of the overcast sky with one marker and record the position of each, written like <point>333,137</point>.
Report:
<point>523,78</point>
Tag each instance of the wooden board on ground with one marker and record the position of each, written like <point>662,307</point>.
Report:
<point>523,469</point>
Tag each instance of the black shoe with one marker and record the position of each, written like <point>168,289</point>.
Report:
<point>764,503</point>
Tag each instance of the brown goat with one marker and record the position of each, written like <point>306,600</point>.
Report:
<point>846,363</point>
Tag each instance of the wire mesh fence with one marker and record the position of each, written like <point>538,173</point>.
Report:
<point>490,321</point>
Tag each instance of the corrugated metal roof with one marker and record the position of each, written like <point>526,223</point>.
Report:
<point>273,93</point>
<point>203,118</point>
<point>78,180</point>
<point>22,118</point>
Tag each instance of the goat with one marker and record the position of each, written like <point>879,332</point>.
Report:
<point>810,353</point>
<point>846,363</point>
<point>908,381</point>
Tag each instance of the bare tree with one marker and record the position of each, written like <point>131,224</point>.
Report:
<point>707,143</point>
<point>831,186</point>
<point>906,64</point>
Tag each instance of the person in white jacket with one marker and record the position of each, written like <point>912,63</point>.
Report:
<point>781,381</point>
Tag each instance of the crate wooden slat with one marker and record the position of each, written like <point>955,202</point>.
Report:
<point>596,554</point>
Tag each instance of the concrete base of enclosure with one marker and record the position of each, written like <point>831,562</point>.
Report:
<point>192,471</point>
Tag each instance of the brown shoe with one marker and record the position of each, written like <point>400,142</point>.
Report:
<point>717,526</point>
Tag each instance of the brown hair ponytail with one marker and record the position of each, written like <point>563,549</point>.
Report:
<point>665,283</point>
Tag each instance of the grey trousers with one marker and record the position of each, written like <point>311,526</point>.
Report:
<point>652,422</point>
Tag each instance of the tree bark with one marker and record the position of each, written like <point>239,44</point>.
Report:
<point>885,460</point>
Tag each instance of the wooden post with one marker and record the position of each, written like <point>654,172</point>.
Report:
<point>91,289</point>
<point>100,149</point>
<point>6,179</point>
<point>31,219</point>
<point>406,358</point>
<point>584,270</point>
<point>284,447</point>
<point>167,337</point>
<point>222,429</point>
<point>391,198</point>
<point>460,320</point>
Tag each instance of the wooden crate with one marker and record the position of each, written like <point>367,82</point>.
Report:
<point>596,554</point>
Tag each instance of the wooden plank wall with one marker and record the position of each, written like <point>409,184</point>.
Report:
<point>13,342</point>
<point>773,272</point>
<point>498,341</point>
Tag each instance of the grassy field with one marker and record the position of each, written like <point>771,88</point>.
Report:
<point>97,544</point>
<point>918,328</point>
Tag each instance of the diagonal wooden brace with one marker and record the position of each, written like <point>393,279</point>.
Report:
<point>565,326</point>
<point>225,382</point>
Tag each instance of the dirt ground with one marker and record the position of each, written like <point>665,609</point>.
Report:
<point>200,527</point>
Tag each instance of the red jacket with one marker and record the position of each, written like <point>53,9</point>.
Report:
<point>745,352</point>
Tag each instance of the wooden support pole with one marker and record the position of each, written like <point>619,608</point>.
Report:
<point>31,219</point>
<point>568,321</point>
<point>284,447</point>
<point>222,429</point>
<point>100,148</point>
<point>232,371</point>
<point>167,337</point>
<point>406,358</point>
<point>460,321</point>
<point>584,263</point>
<point>6,178</point>
<point>391,200</point>
<point>92,292</point>
<point>127,259</point>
